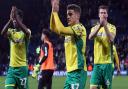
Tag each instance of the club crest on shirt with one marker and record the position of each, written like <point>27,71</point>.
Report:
<point>18,40</point>
<point>67,39</point>
<point>101,34</point>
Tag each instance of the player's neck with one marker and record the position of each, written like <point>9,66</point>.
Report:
<point>77,22</point>
<point>17,29</point>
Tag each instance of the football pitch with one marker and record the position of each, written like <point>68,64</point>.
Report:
<point>119,82</point>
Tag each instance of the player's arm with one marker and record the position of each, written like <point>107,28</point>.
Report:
<point>55,23</point>
<point>117,61</point>
<point>5,29</point>
<point>116,58</point>
<point>57,26</point>
<point>52,21</point>
<point>111,32</point>
<point>22,26</point>
<point>44,57</point>
<point>110,35</point>
<point>94,31</point>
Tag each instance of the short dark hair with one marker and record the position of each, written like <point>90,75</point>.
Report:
<point>103,7</point>
<point>46,32</point>
<point>74,7</point>
<point>20,13</point>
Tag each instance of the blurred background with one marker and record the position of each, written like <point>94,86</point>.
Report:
<point>37,16</point>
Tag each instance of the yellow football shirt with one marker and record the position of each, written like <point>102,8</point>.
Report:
<point>75,42</point>
<point>102,46</point>
<point>18,48</point>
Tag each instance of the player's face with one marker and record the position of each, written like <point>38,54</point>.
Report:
<point>15,24</point>
<point>72,17</point>
<point>103,14</point>
<point>42,37</point>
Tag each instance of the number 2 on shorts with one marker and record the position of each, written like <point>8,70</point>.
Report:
<point>23,82</point>
<point>75,86</point>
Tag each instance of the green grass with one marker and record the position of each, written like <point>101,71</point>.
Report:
<point>119,82</point>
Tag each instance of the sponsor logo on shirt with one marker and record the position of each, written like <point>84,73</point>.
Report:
<point>67,39</point>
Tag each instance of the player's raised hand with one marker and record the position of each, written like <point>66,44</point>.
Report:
<point>103,22</point>
<point>118,70</point>
<point>12,14</point>
<point>55,5</point>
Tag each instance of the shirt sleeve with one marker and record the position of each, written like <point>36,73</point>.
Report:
<point>45,49</point>
<point>113,29</point>
<point>57,26</point>
<point>92,29</point>
<point>28,37</point>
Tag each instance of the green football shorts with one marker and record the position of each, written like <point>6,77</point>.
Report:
<point>76,79</point>
<point>102,76</point>
<point>17,77</point>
